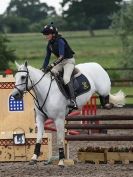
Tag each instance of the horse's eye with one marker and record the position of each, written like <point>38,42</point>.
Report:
<point>23,77</point>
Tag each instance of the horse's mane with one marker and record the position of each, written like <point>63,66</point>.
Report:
<point>34,69</point>
<point>40,72</point>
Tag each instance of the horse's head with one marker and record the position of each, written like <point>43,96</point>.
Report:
<point>22,83</point>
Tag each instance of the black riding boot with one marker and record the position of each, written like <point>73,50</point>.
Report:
<point>70,89</point>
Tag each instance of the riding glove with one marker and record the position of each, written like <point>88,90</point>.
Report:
<point>49,68</point>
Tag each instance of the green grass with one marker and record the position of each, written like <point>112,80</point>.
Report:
<point>104,48</point>
<point>126,90</point>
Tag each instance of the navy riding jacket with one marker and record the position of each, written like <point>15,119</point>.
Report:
<point>59,47</point>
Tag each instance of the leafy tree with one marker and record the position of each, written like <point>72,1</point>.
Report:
<point>25,15</point>
<point>14,24</point>
<point>1,23</point>
<point>58,21</point>
<point>123,26</point>
<point>29,9</point>
<point>89,14</point>
<point>6,55</point>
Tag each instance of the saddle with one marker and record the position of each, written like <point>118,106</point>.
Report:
<point>80,83</point>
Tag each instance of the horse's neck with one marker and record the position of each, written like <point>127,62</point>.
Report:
<point>40,83</point>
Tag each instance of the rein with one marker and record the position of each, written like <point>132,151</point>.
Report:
<point>35,97</point>
<point>33,88</point>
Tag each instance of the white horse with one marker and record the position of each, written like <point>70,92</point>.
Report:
<point>50,102</point>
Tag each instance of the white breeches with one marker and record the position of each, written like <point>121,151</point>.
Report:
<point>68,66</point>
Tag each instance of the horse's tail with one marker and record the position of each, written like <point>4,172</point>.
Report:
<point>118,99</point>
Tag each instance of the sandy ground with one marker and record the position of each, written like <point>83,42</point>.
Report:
<point>23,169</point>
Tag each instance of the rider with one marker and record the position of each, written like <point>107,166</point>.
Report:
<point>65,60</point>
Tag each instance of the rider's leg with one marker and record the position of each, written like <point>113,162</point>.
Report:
<point>70,89</point>
<point>68,69</point>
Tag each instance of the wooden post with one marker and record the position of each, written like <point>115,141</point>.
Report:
<point>66,146</point>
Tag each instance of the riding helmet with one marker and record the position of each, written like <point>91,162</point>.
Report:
<point>49,29</point>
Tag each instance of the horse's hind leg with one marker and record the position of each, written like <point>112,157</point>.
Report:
<point>60,139</point>
<point>104,100</point>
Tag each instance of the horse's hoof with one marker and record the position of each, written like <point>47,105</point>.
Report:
<point>108,106</point>
<point>33,162</point>
<point>61,163</point>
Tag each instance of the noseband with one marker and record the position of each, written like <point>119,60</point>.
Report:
<point>25,83</point>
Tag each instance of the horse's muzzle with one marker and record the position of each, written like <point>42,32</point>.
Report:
<point>17,95</point>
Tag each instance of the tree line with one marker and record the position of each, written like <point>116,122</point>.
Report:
<point>30,15</point>
<point>118,15</point>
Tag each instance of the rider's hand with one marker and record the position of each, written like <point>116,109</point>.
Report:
<point>49,68</point>
<point>42,69</point>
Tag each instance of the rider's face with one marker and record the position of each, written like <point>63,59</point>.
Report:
<point>49,37</point>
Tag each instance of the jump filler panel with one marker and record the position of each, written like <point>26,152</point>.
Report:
<point>15,105</point>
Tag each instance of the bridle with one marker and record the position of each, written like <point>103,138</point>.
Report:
<point>25,83</point>
<point>28,89</point>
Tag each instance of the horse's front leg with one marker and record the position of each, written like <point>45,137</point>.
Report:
<point>40,130</point>
<point>60,139</point>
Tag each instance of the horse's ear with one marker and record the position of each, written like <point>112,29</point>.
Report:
<point>17,65</point>
<point>26,64</point>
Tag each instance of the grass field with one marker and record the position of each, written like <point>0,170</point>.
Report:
<point>104,48</point>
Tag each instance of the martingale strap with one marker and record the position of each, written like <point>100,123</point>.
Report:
<point>37,102</point>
